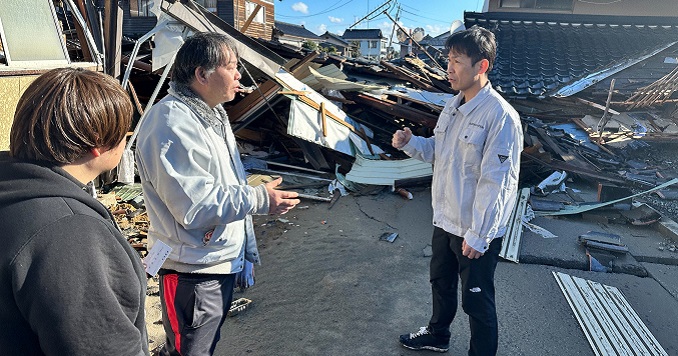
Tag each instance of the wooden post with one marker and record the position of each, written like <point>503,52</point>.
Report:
<point>112,37</point>
<point>324,118</point>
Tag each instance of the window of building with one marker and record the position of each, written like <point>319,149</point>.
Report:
<point>140,8</point>
<point>538,4</point>
<point>43,28</point>
<point>260,17</point>
<point>372,44</point>
<point>209,5</point>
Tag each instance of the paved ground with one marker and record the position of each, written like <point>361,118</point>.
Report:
<point>328,286</point>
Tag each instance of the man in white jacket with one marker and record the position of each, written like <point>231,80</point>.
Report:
<point>196,194</point>
<point>475,150</point>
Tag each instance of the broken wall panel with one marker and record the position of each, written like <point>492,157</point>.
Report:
<point>319,121</point>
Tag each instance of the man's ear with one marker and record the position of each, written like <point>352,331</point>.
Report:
<point>484,65</point>
<point>200,75</point>
<point>96,152</point>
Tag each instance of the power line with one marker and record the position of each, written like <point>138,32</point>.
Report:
<point>420,12</point>
<point>331,8</point>
<point>424,17</point>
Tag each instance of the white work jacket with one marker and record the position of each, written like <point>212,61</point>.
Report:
<point>195,191</point>
<point>475,152</point>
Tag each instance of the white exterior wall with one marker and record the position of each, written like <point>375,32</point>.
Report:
<point>374,53</point>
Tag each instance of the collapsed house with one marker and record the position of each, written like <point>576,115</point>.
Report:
<point>589,88</point>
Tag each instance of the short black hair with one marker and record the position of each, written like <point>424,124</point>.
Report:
<point>204,50</point>
<point>476,42</point>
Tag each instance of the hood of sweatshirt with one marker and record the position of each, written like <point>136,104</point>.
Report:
<point>21,181</point>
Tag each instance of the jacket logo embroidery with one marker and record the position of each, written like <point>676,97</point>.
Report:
<point>502,158</point>
<point>207,238</point>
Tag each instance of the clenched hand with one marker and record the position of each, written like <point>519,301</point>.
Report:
<point>401,138</point>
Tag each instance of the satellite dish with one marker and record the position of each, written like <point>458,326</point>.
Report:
<point>418,34</point>
<point>401,35</point>
<point>457,26</point>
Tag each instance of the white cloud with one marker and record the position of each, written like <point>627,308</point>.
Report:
<point>435,30</point>
<point>335,19</point>
<point>385,28</point>
<point>300,7</point>
<point>322,28</point>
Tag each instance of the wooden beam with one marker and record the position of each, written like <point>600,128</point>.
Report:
<point>253,101</point>
<point>395,109</point>
<point>411,77</point>
<point>249,19</point>
<point>84,45</point>
<point>323,118</point>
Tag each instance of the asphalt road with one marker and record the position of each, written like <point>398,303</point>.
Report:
<point>328,286</point>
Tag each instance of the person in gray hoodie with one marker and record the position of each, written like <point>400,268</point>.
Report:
<point>70,283</point>
<point>196,194</point>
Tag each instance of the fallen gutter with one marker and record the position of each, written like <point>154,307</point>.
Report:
<point>594,78</point>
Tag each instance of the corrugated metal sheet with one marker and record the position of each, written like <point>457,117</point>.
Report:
<point>385,172</point>
<point>609,323</point>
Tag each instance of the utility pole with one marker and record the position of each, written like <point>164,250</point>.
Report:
<point>414,41</point>
<point>368,15</point>
<point>368,9</point>
<point>390,38</point>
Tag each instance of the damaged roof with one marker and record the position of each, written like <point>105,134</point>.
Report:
<point>334,38</point>
<point>295,30</point>
<point>437,41</point>
<point>362,34</point>
<point>539,53</point>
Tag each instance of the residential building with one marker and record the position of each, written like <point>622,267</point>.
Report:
<point>294,35</point>
<point>371,43</point>
<point>138,19</point>
<point>331,40</point>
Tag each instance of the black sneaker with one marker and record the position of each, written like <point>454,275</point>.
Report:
<point>424,340</point>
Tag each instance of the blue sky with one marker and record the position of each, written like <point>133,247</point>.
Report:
<point>434,16</point>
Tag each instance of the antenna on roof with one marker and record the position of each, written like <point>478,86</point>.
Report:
<point>418,34</point>
<point>401,35</point>
<point>457,26</point>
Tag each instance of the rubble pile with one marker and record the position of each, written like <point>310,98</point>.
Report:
<point>327,118</point>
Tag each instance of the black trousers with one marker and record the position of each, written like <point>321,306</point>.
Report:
<point>477,291</point>
<point>194,307</point>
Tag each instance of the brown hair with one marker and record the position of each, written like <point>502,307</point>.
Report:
<point>66,112</point>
